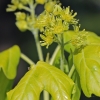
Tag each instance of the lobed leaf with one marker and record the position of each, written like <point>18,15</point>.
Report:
<point>87,63</point>
<point>5,85</point>
<point>77,88</point>
<point>43,77</point>
<point>9,60</point>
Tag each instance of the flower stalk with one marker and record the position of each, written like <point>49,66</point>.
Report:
<point>62,53</point>
<point>39,49</point>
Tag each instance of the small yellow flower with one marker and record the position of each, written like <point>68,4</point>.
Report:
<point>57,10</point>
<point>11,8</point>
<point>67,15</point>
<point>20,16</point>
<point>20,6</point>
<point>80,40</point>
<point>16,4</point>
<point>48,40</point>
<point>41,1</point>
<point>59,27</point>
<point>43,20</point>
<point>49,6</point>
<point>47,37</point>
<point>22,25</point>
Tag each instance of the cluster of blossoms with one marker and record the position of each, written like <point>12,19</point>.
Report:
<point>25,19</point>
<point>55,22</point>
<point>79,41</point>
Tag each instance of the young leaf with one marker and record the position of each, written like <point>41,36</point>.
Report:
<point>5,85</point>
<point>43,77</point>
<point>75,77</point>
<point>9,60</point>
<point>87,63</point>
<point>77,88</point>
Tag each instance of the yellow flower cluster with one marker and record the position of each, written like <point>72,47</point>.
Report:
<point>48,39</point>
<point>26,20</point>
<point>17,4</point>
<point>49,6</point>
<point>80,39</point>
<point>55,21</point>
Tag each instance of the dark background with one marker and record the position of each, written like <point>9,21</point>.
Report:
<point>88,14</point>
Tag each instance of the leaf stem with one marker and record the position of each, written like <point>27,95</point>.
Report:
<point>29,61</point>
<point>35,32</point>
<point>40,54</point>
<point>62,53</point>
<point>71,71</point>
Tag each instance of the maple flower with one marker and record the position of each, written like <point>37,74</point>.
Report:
<point>49,6</point>
<point>16,4</point>
<point>22,25</point>
<point>47,37</point>
<point>20,15</point>
<point>80,40</point>
<point>59,26</point>
<point>68,15</point>
<point>57,21</point>
<point>42,20</point>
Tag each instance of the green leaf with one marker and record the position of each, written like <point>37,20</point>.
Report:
<point>43,77</point>
<point>5,85</point>
<point>9,60</point>
<point>77,87</point>
<point>87,63</point>
<point>75,77</point>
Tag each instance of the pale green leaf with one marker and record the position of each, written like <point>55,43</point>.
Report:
<point>5,85</point>
<point>77,87</point>
<point>43,77</point>
<point>87,63</point>
<point>9,60</point>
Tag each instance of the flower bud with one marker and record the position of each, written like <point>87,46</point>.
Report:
<point>49,6</point>
<point>22,25</point>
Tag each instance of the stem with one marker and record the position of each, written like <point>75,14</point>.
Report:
<point>26,8</point>
<point>62,53</point>
<point>45,95</point>
<point>32,6</point>
<point>35,32</point>
<point>71,71</point>
<point>29,61</point>
<point>54,55</point>
<point>40,54</point>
